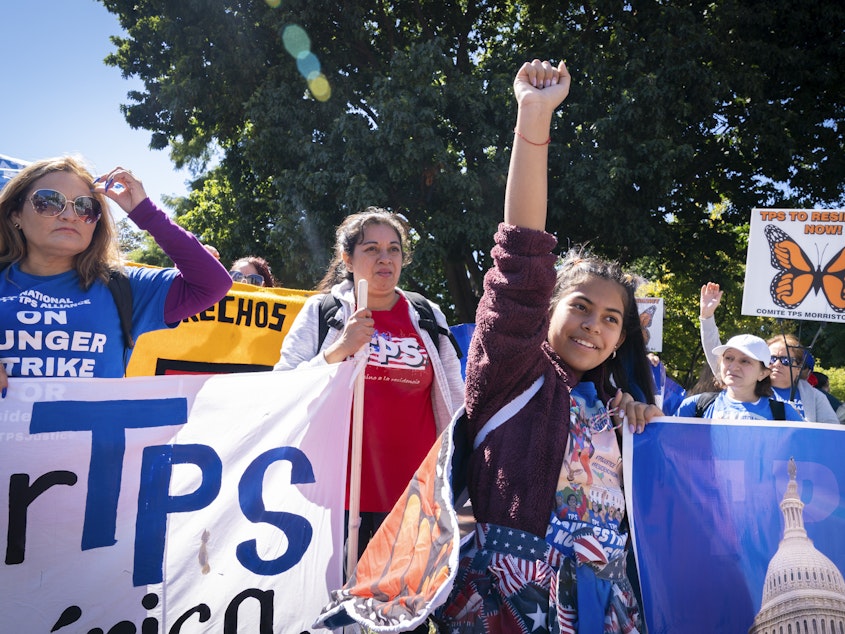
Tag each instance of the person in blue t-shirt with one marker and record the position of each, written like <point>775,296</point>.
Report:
<point>791,365</point>
<point>58,250</point>
<point>788,359</point>
<point>744,370</point>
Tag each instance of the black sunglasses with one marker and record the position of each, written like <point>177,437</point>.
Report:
<point>787,361</point>
<point>253,278</point>
<point>49,202</point>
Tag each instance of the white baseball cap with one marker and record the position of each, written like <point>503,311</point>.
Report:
<point>748,345</point>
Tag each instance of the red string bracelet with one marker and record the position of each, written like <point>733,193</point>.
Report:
<point>527,140</point>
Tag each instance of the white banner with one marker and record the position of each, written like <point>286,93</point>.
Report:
<point>795,266</point>
<point>173,504</point>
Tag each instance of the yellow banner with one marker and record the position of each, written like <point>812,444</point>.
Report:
<point>242,332</point>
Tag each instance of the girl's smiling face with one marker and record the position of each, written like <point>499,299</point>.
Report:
<point>587,323</point>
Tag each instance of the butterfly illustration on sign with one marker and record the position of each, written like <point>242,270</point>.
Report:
<point>646,317</point>
<point>796,275</point>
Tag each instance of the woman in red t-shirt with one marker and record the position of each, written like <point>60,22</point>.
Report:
<point>413,384</point>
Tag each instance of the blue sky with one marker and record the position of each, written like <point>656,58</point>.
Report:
<point>49,49</point>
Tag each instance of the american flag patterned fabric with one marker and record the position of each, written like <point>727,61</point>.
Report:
<point>502,581</point>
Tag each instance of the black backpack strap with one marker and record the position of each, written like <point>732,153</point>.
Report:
<point>121,291</point>
<point>429,322</point>
<point>703,402</point>
<point>329,307</point>
<point>778,409</point>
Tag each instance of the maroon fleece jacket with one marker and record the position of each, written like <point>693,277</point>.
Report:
<point>514,472</point>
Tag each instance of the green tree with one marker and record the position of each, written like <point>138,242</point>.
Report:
<point>138,246</point>
<point>128,237</point>
<point>677,108</point>
<point>148,252</point>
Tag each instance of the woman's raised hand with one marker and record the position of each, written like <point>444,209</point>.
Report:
<point>539,88</point>
<point>711,297</point>
<point>539,82</point>
<point>121,186</point>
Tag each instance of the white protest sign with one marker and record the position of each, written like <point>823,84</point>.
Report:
<point>651,322</point>
<point>795,267</point>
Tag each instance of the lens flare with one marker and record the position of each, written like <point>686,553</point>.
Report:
<point>275,4</point>
<point>298,44</point>
<point>320,88</point>
<point>308,65</point>
<point>296,40</point>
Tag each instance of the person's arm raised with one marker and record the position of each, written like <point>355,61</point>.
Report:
<point>539,88</point>
<point>711,297</point>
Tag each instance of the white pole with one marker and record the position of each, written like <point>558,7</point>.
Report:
<point>355,458</point>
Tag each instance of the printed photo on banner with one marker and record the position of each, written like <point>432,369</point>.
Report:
<point>795,266</point>
<point>737,525</point>
<point>207,503</point>
<point>651,321</point>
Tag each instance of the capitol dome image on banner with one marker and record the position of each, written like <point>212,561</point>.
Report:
<point>737,525</point>
<point>803,589</point>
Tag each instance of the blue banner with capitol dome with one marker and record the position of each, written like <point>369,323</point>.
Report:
<point>738,525</point>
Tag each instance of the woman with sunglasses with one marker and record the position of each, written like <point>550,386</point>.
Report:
<point>58,249</point>
<point>791,366</point>
<point>252,270</point>
<point>747,395</point>
<point>786,360</point>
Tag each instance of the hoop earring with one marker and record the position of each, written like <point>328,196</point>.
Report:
<point>613,355</point>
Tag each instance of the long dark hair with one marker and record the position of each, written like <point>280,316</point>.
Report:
<point>764,386</point>
<point>629,368</point>
<point>351,232</point>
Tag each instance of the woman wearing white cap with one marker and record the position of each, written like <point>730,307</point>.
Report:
<point>744,370</point>
<point>787,358</point>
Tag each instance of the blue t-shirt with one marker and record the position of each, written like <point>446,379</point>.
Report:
<point>783,394</point>
<point>725,407</point>
<point>50,326</point>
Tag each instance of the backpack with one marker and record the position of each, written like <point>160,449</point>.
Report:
<point>705,399</point>
<point>330,305</point>
<point>121,292</point>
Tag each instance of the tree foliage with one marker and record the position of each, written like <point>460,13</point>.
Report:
<point>677,109</point>
<point>129,237</point>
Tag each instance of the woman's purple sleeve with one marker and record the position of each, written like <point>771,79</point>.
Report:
<point>201,280</point>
